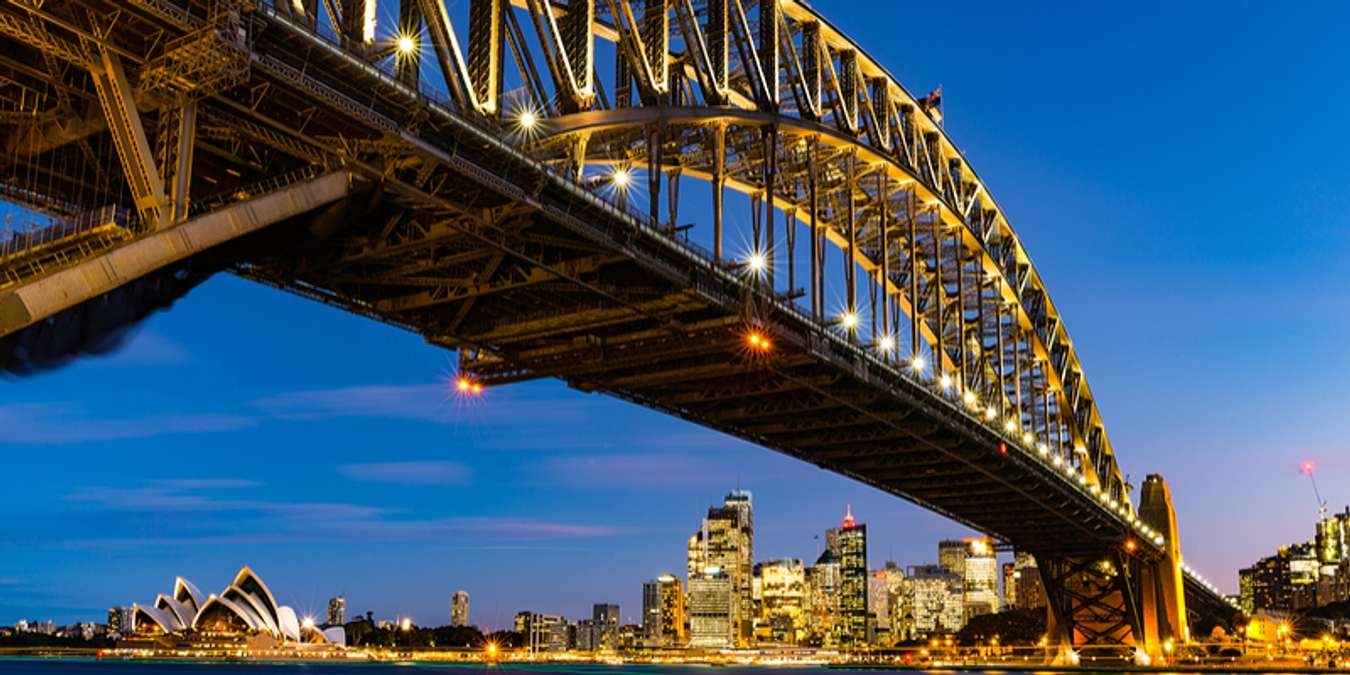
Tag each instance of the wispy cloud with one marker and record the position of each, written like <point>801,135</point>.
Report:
<point>481,528</point>
<point>217,520</point>
<point>64,422</point>
<point>174,496</point>
<point>635,470</point>
<point>433,472</point>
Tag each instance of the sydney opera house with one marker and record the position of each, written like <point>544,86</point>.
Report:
<point>245,616</point>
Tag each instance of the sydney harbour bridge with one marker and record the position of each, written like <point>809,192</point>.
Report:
<point>724,210</point>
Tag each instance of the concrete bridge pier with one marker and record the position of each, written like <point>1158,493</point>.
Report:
<point>1163,597</point>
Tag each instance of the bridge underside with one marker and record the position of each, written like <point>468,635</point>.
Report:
<point>471,242</point>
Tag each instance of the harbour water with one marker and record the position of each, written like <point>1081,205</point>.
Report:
<point>81,666</point>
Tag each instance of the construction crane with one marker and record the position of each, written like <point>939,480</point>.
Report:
<point>1321,503</point>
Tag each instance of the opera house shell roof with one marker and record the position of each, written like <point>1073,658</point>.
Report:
<point>246,606</point>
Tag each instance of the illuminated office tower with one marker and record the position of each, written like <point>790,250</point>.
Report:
<point>726,542</point>
<point>459,608</point>
<point>933,602</point>
<point>981,578</point>
<point>852,582</point>
<point>782,595</point>
<point>1303,571</point>
<point>663,611</point>
<point>952,556</point>
<point>337,611</point>
<point>711,606</point>
<point>1010,576</point>
<point>1030,592</point>
<point>121,620</point>
<point>605,618</point>
<point>822,601</point>
<point>882,585</point>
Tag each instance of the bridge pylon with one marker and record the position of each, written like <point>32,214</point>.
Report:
<point>1163,597</point>
<point>1121,604</point>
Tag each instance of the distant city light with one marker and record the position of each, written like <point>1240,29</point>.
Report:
<point>406,624</point>
<point>309,622</point>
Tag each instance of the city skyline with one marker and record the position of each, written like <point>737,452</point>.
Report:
<point>170,450</point>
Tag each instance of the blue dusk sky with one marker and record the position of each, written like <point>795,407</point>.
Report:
<point>1177,170</point>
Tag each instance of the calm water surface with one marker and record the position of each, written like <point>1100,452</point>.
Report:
<point>109,667</point>
<point>92,667</point>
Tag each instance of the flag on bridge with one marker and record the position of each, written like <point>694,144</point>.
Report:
<point>933,101</point>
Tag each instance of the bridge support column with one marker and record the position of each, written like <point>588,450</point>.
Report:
<point>1163,597</point>
<point>128,133</point>
<point>1092,607</point>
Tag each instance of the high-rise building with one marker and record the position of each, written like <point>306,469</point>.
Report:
<point>822,601</point>
<point>1303,572</point>
<point>726,541</point>
<point>543,632</point>
<point>782,593</point>
<point>852,582</point>
<point>932,602</point>
<point>1030,592</point>
<point>881,587</point>
<point>1009,585</point>
<point>121,620</point>
<point>952,556</point>
<point>337,611</point>
<point>583,636</point>
<point>605,617</point>
<point>1333,538</point>
<point>981,578</point>
<point>663,611</point>
<point>711,608</point>
<point>459,608</point>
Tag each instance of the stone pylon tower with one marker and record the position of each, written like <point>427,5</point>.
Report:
<point>1162,591</point>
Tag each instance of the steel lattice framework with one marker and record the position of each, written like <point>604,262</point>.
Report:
<point>625,194</point>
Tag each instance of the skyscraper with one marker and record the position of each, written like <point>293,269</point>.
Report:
<point>932,602</point>
<point>1010,576</point>
<point>711,605</point>
<point>337,611</point>
<point>663,611</point>
<point>459,608</point>
<point>882,585</point>
<point>952,556</point>
<point>726,542</point>
<point>852,582</point>
<point>822,600</point>
<point>1030,593</point>
<point>121,620</point>
<point>782,600</point>
<point>981,578</point>
<point>605,618</point>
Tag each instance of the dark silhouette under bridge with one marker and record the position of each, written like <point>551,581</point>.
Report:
<point>721,209</point>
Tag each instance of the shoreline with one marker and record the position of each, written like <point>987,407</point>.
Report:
<point>93,656</point>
